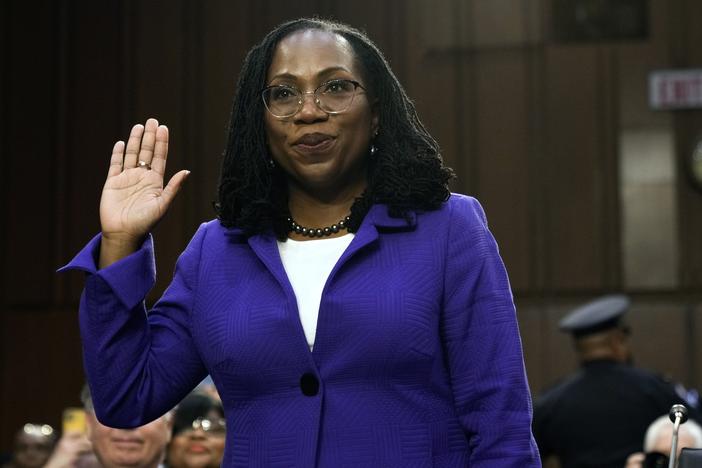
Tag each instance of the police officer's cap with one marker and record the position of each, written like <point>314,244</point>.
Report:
<point>601,314</point>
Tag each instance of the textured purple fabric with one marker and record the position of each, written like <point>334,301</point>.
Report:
<point>417,352</point>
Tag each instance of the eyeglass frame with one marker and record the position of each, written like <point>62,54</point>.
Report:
<point>302,95</point>
<point>206,428</point>
<point>42,430</point>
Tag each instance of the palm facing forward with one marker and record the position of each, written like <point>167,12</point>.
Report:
<point>134,198</point>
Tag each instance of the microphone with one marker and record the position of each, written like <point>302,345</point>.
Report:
<point>678,415</point>
<point>678,411</point>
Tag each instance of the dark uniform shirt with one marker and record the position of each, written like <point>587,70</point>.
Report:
<point>599,416</point>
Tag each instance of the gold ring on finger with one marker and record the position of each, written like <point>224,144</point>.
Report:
<point>144,164</point>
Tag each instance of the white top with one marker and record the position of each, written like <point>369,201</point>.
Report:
<point>308,265</point>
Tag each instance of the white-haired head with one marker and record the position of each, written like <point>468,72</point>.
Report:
<point>660,433</point>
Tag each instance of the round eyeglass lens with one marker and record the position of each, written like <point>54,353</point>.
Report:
<point>281,101</point>
<point>336,95</point>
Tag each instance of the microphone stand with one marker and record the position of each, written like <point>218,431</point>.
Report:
<point>678,415</point>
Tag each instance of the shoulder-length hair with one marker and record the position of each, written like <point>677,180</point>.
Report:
<point>406,173</point>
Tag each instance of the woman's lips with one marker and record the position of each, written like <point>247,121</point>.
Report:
<point>320,147</point>
<point>314,143</point>
<point>197,448</point>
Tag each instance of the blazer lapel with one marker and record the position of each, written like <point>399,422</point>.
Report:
<point>265,247</point>
<point>376,221</point>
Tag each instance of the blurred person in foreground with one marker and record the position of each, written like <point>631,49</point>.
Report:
<point>199,432</point>
<point>599,415</point>
<point>350,309</point>
<point>141,447</point>
<point>658,442</point>
<point>32,446</point>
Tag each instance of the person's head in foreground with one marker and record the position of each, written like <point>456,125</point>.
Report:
<point>199,432</point>
<point>142,447</point>
<point>32,446</point>
<point>658,442</point>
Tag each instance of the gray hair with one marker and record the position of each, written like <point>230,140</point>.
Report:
<point>663,423</point>
<point>86,398</point>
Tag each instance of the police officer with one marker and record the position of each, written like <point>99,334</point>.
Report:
<point>599,415</point>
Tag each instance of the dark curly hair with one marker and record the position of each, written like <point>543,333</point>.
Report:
<point>407,173</point>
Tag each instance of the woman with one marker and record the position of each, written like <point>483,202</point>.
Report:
<point>349,309</point>
<point>32,447</point>
<point>198,433</point>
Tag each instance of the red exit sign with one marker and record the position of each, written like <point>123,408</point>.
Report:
<point>675,89</point>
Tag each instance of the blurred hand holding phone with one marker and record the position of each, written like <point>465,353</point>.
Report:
<point>74,421</point>
<point>74,449</point>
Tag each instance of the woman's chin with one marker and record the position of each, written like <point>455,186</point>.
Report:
<point>325,178</point>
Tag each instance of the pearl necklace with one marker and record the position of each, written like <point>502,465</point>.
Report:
<point>318,232</point>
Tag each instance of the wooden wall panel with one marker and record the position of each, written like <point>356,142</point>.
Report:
<point>694,350</point>
<point>91,120</point>
<point>226,37</point>
<point>42,368</point>
<point>539,169</point>
<point>559,358</point>
<point>28,188</point>
<point>688,128</point>
<point>497,24</point>
<point>434,82</point>
<point>502,155</point>
<point>438,107</point>
<point>386,26</point>
<point>548,353</point>
<point>4,118</point>
<point>659,337</point>
<point>575,192</point>
<point>161,74</point>
<point>276,12</point>
<point>5,115</point>
<point>195,76</point>
<point>423,74</point>
<point>531,328</point>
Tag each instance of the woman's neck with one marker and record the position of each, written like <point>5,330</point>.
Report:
<point>315,211</point>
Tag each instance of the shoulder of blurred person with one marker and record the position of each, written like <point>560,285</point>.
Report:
<point>599,414</point>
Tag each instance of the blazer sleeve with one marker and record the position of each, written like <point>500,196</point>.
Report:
<point>483,346</point>
<point>139,364</point>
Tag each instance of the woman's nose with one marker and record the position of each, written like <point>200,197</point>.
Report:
<point>310,110</point>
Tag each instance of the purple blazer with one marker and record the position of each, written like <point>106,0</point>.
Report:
<point>417,360</point>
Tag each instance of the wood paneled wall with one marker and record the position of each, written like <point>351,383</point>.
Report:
<point>530,126</point>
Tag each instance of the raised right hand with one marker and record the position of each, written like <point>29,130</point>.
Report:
<point>133,197</point>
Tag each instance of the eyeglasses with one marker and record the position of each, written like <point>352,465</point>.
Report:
<point>333,97</point>
<point>38,430</point>
<point>211,426</point>
<point>43,441</point>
